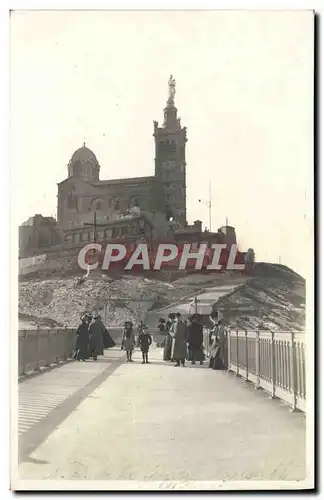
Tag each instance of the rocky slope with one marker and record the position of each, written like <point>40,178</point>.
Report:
<point>273,298</point>
<point>64,300</point>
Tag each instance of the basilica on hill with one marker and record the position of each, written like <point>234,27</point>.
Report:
<point>83,192</point>
<point>134,208</point>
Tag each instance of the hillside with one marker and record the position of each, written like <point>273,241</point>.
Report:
<point>273,298</point>
<point>64,300</point>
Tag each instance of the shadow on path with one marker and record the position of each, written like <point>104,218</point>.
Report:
<point>38,433</point>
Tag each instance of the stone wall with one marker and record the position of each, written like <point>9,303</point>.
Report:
<point>78,200</point>
<point>42,232</point>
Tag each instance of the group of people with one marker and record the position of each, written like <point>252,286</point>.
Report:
<point>91,338</point>
<point>183,341</point>
<point>144,340</point>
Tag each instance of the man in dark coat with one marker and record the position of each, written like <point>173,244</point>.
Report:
<point>168,339</point>
<point>195,341</point>
<point>96,331</point>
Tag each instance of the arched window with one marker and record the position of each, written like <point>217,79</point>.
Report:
<point>115,203</point>
<point>77,167</point>
<point>97,204</point>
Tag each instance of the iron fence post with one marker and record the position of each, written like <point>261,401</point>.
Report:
<point>229,351</point>
<point>257,360</point>
<point>37,367</point>
<point>48,343</point>
<point>293,371</point>
<point>237,355</point>
<point>22,357</point>
<point>273,366</point>
<point>246,357</point>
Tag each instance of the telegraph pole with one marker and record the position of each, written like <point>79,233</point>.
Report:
<point>209,204</point>
<point>196,305</point>
<point>94,225</point>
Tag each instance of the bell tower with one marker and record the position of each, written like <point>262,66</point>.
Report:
<point>170,162</point>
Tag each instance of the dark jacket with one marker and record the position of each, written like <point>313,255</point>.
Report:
<point>82,341</point>
<point>96,331</point>
<point>179,332</point>
<point>144,340</point>
<point>195,335</point>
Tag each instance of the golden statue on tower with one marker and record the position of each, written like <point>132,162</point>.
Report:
<point>172,84</point>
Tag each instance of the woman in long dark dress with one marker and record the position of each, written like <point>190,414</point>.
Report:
<point>96,331</point>
<point>82,340</point>
<point>108,342</point>
<point>195,341</point>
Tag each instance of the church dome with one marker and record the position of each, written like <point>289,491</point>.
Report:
<point>84,155</point>
<point>84,165</point>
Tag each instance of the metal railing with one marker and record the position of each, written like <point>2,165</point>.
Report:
<point>40,348</point>
<point>273,361</point>
<point>44,347</point>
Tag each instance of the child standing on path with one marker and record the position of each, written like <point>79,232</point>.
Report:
<point>145,340</point>
<point>128,342</point>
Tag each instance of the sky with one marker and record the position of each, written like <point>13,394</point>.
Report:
<point>244,90</point>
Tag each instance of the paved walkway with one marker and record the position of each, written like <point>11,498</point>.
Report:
<point>113,420</point>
